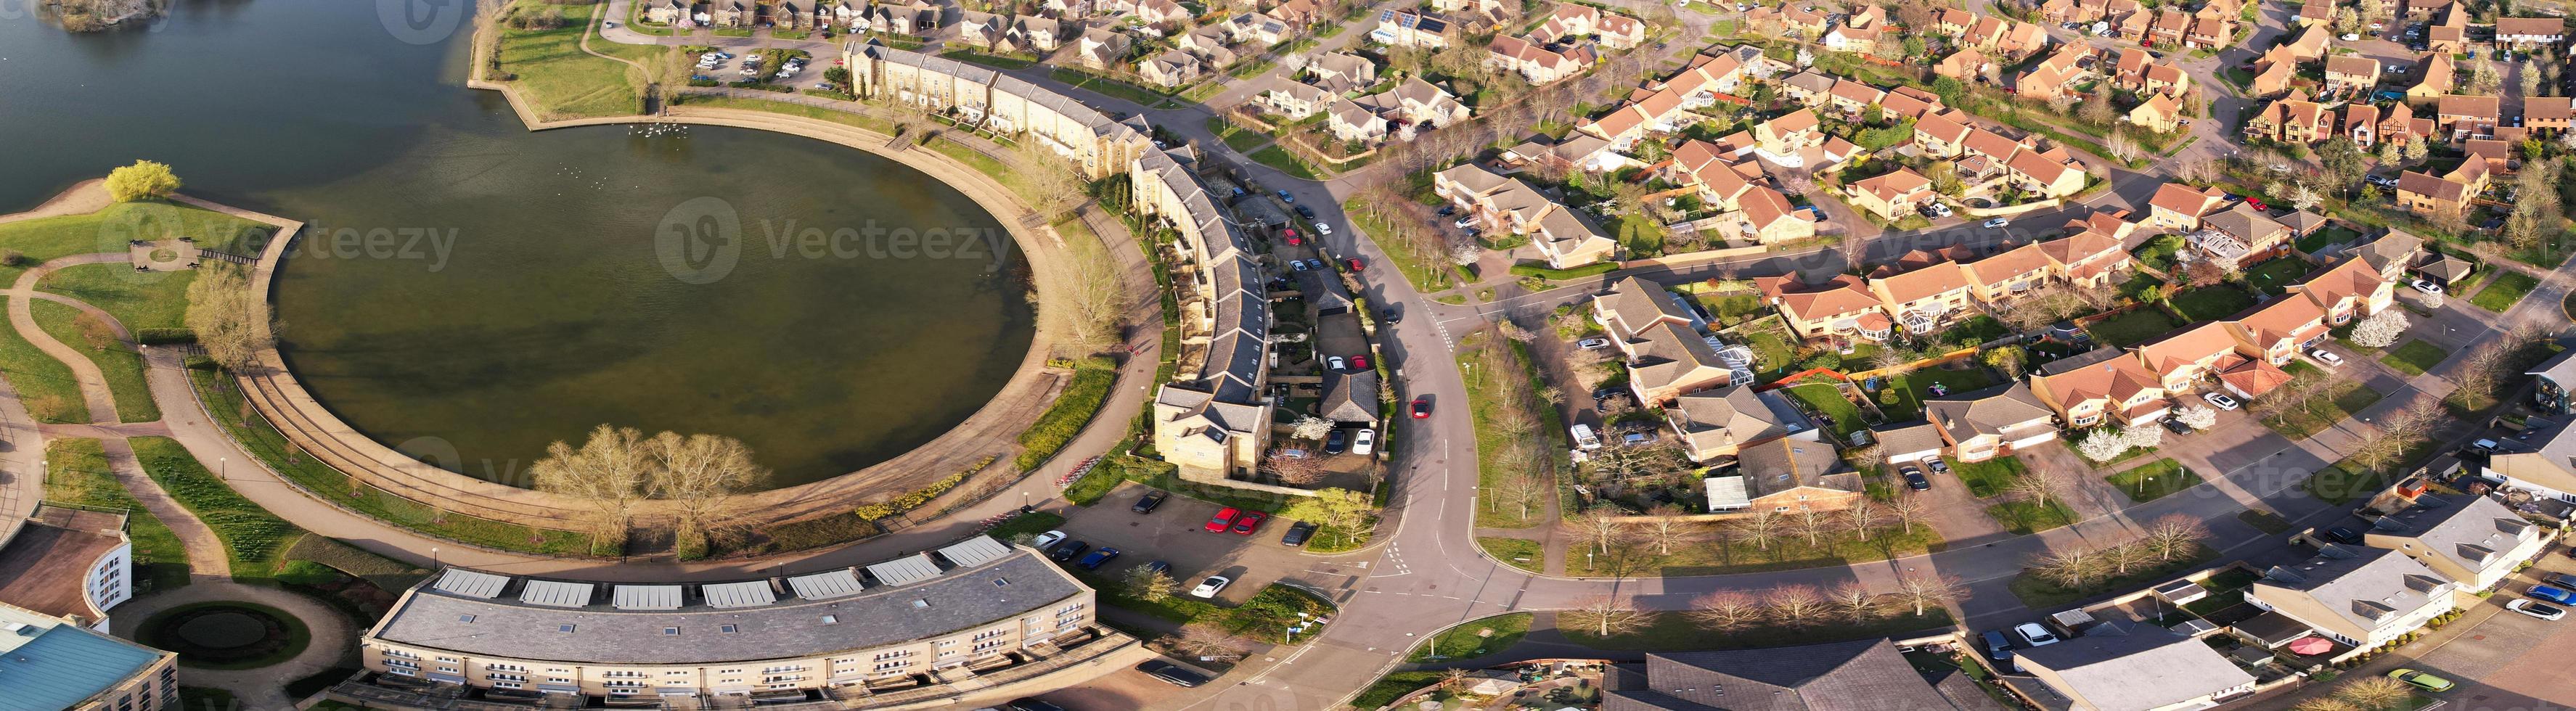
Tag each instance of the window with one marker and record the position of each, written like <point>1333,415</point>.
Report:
<point>728,629</point>
<point>567,629</point>
<point>671,631</point>
<point>831,619</point>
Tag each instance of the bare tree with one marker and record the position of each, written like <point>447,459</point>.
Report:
<point>1522,490</point>
<point>2120,558</point>
<point>2374,692</point>
<point>2040,487</point>
<point>699,474</point>
<point>1795,605</point>
<point>1812,523</point>
<point>1294,469</point>
<point>2328,703</point>
<point>606,477</point>
<point>1725,610</point>
<point>1605,616</point>
<point>1150,585</point>
<point>1206,640</point>
<point>2174,536</point>
<point>1856,602</point>
<point>1094,303</point>
<point>1906,510</point>
<point>1601,528</point>
<point>1758,528</point>
<point>1862,516</point>
<point>1666,528</point>
<point>1310,427</point>
<point>2071,567</point>
<point>1926,590</point>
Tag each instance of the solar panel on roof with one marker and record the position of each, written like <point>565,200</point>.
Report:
<point>645,597</point>
<point>753,593</point>
<point>552,593</point>
<point>819,586</point>
<point>975,551</point>
<point>469,583</point>
<point>905,570</point>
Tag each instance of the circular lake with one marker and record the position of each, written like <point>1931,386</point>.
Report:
<point>469,292</point>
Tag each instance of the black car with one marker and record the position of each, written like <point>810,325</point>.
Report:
<point>1391,314</point>
<point>1447,210</point>
<point>1172,673</point>
<point>2561,581</point>
<point>1031,705</point>
<point>1338,441</point>
<point>1297,534</point>
<point>1067,550</point>
<point>1914,480</point>
<point>1998,647</point>
<point>1147,503</point>
<point>1306,212</point>
<point>2343,535</point>
<point>2176,426</point>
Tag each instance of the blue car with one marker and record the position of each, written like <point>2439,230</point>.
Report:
<point>1098,558</point>
<point>2544,592</point>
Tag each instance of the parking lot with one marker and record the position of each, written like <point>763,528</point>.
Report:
<point>1174,533</point>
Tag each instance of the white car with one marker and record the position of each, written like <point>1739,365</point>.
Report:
<point>1464,223</point>
<point>2429,288</point>
<point>2536,609</point>
<point>1336,362</point>
<point>2034,634</point>
<point>1047,540</point>
<point>1940,209</point>
<point>1324,227</point>
<point>1365,442</point>
<point>2350,37</point>
<point>1997,222</point>
<point>2219,400</point>
<point>2326,357</point>
<point>1590,344</point>
<point>1209,587</point>
<point>2380,180</point>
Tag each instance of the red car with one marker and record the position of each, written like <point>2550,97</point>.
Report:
<point>1294,239</point>
<point>1251,520</point>
<point>2256,202</point>
<point>1223,519</point>
<point>1359,362</point>
<point>1421,408</point>
<point>1357,266</point>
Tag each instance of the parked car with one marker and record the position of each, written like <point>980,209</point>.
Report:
<point>1299,265</point>
<point>2340,534</point>
<point>2561,581</point>
<point>2034,634</point>
<point>1939,209</point>
<point>1998,647</point>
<point>1297,534</point>
<point>2421,680</point>
<point>1359,362</point>
<point>1172,674</point>
<point>1287,198</point>
<point>1464,222</point>
<point>1047,540</point>
<point>1357,265</point>
<point>2429,288</point>
<point>2384,180</point>
<point>1306,212</point>
<point>1914,478</point>
<point>1157,567</point>
<point>1337,442</point>
<point>1223,519</point>
<point>1293,239</point>
<point>2219,400</point>
<point>2535,609</point>
<point>1592,343</point>
<point>2556,595</point>
<point>1939,466</point>
<point>1365,442</point>
<point>1067,550</point>
<point>1251,521</point>
<point>1422,407</point>
<point>2176,426</point>
<point>2483,447</point>
<point>2325,356</point>
<point>2351,37</point>
<point>1211,586</point>
<point>1336,363</point>
<point>1098,558</point>
<point>2257,202</point>
<point>1998,222</point>
<point>1150,501</point>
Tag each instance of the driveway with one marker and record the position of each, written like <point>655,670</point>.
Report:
<point>1173,534</point>
<point>1949,508</point>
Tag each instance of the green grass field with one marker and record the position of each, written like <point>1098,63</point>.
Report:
<point>1493,446</point>
<point>1827,399</point>
<point>45,385</point>
<point>2212,302</point>
<point>121,364</point>
<point>559,80</point>
<point>1723,557</point>
<point>1520,553</point>
<point>140,300</point>
<point>76,473</point>
<point>1990,477</point>
<point>253,538</point>
<point>2414,357</point>
<point>1473,639</point>
<point>1277,157</point>
<point>2025,517</point>
<point>2503,289</point>
<point>2133,327</point>
<point>2154,480</point>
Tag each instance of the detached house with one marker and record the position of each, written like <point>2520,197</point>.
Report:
<point>1534,63</point>
<point>1926,299</point>
<point>2187,356</point>
<point>2103,386</point>
<point>1661,341</point>
<point>2277,330</point>
<point>1506,205</point>
<point>1997,421</point>
<point>1784,476</point>
<point>1169,70</point>
<point>2361,597</point>
<point>1407,28</point>
<point>2449,193</point>
<point>2549,469</point>
<point>1891,195</point>
<point>2349,290</point>
<point>1842,306</point>
<point>2240,234</point>
<point>2351,73</point>
<point>2472,540</point>
<point>2467,116</point>
<point>2293,119</point>
<point>1716,424</point>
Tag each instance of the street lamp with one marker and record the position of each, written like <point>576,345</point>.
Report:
<point>433,557</point>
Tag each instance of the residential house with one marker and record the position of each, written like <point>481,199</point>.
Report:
<point>2209,33</point>
<point>1860,32</point>
<point>2187,355</point>
<point>2158,113</point>
<point>2316,14</point>
<point>2472,540</point>
<point>2102,386</point>
<point>2360,122</point>
<point>1926,299</point>
<point>1342,72</point>
<point>2449,35</point>
<point>1993,422</point>
<point>1170,70</point>
<point>1410,28</point>
<point>1417,102</point>
<point>2129,666</point>
<point>1101,49</point>
<point>2351,73</point>
<point>2392,254</point>
<point>1966,65</point>
<point>664,12</point>
<point>1716,424</point>
<point>737,13</point>
<point>2273,71</point>
<point>1789,134</point>
<point>1940,135</point>
<point>1809,87</point>
<point>1910,443</point>
<point>1866,674</point>
<point>1162,12</point>
<point>2434,80</point>
<point>1577,152</point>
<point>1032,33</point>
<point>1508,206</point>
<point>2349,290</point>
<point>1569,20</point>
<point>2549,113</point>
<point>2275,331</point>
<point>2309,44</point>
<point>2092,256</point>
<point>1299,13</point>
<point>2047,174</point>
<point>2178,207</point>
<point>1256,29</point>
<point>1295,100</point>
<point>2240,234</point>
<point>1907,102</point>
<point>1842,306</point>
<point>2467,116</point>
<point>981,29</point>
<point>2001,277</point>
<point>2426,194</point>
<point>1534,63</point>
<point>794,15</point>
<point>1350,121</point>
<point>1851,97</point>
<point>2169,27</point>
<point>2291,119</point>
<point>2526,32</point>
<point>1891,195</point>
<point>2055,75</point>
<point>1767,217</point>
<point>1810,18</point>
<point>2548,468</point>
<point>1661,341</point>
<point>1786,475</point>
<point>1486,12</point>
<point>2361,597</point>
<point>1197,430</point>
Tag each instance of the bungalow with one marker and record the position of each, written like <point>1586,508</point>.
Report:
<point>1409,28</point>
<point>1720,423</point>
<point>2521,32</point>
<point>2187,356</point>
<point>2473,540</point>
<point>1842,306</point>
<point>2277,330</point>
<point>1891,195</point>
<point>1785,475</point>
<point>1997,421</point>
<point>2346,73</point>
<point>2361,597</point>
<point>2101,386</point>
<point>2135,666</point>
<point>1926,299</point>
<point>2392,254</point>
<point>1668,359</point>
<point>1809,87</point>
<point>2549,469</point>
<point>2427,194</point>
<point>1851,97</point>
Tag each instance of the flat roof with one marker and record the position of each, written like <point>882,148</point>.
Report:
<point>645,597</point>
<point>472,583</point>
<point>46,567</point>
<point>902,571</point>
<point>48,665</point>
<point>825,585</point>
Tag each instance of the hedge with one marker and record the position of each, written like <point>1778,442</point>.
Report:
<point>1588,270</point>
<point>1073,408</point>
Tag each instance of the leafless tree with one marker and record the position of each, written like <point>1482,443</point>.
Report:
<point>1862,516</point>
<point>1906,510</point>
<point>606,476</point>
<point>699,474</point>
<point>1522,490</point>
<point>1725,610</point>
<point>1795,605</point>
<point>2328,703</point>
<point>2174,536</point>
<point>1093,305</point>
<point>1601,528</point>
<point>1605,616</point>
<point>2120,558</point>
<point>1812,523</point>
<point>1926,590</point>
<point>1295,470</point>
<point>2071,567</point>
<point>1206,640</point>
<point>1758,527</point>
<point>1855,601</point>
<point>2374,692</point>
<point>2040,487</point>
<point>1666,528</point>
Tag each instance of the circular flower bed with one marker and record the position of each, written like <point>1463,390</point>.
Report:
<point>226,635</point>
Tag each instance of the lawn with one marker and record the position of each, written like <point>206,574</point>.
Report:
<point>1393,686</point>
<point>2154,480</point>
<point>2040,593</point>
<point>1494,446</point>
<point>45,385</point>
<point>990,60</point>
<point>2331,235</point>
<point>2226,589</point>
<point>121,364</point>
<point>1520,553</point>
<point>2503,289</point>
<point>1990,477</point>
<point>1669,631</point>
<point>2301,420</point>
<point>2024,517</point>
<point>1073,407</point>
<point>142,301</point>
<point>2132,327</point>
<point>1277,157</point>
<point>253,538</point>
<point>1236,137</point>
<point>1915,387</point>
<point>1828,400</point>
<point>2274,275</point>
<point>1474,639</point>
<point>1724,557</point>
<point>2414,357</point>
<point>108,230</point>
<point>559,80</point>
<point>2212,302</point>
<point>2158,253</point>
<point>1112,87</point>
<point>76,473</point>
<point>2342,482</point>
